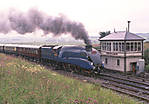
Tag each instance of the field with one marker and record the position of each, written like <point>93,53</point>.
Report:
<point>146,45</point>
<point>23,82</point>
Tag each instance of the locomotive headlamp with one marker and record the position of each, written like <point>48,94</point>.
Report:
<point>92,63</point>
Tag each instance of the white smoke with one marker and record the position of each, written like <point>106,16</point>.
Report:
<point>34,19</point>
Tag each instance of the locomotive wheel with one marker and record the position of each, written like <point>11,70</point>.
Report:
<point>84,72</point>
<point>68,67</point>
<point>93,74</point>
<point>73,68</point>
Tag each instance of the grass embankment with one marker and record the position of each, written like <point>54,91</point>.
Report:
<point>146,56</point>
<point>22,82</point>
<point>146,45</point>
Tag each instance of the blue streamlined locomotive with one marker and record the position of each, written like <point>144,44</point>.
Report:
<point>73,58</point>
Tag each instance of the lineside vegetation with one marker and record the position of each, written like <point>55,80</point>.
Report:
<point>23,82</point>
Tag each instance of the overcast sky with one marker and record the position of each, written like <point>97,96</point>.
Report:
<point>96,15</point>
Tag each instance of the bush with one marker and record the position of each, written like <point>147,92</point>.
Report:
<point>146,56</point>
<point>147,68</point>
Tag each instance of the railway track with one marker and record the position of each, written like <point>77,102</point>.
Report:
<point>133,86</point>
<point>125,84</point>
<point>130,86</point>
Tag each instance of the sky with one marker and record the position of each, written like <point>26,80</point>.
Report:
<point>96,15</point>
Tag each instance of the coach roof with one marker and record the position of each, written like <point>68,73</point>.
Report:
<point>29,46</point>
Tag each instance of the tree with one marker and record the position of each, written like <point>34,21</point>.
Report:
<point>103,34</point>
<point>146,56</point>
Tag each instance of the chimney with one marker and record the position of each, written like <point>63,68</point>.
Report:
<point>88,47</point>
<point>126,29</point>
<point>128,25</point>
<point>114,30</point>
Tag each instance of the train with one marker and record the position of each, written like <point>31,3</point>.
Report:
<point>82,59</point>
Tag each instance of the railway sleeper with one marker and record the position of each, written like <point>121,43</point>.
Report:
<point>137,95</point>
<point>125,82</point>
<point>127,87</point>
<point>126,79</point>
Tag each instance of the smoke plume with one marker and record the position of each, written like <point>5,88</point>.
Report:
<point>33,20</point>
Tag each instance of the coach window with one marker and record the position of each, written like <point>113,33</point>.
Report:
<point>106,48</point>
<point>118,62</point>
<point>36,51</point>
<point>28,50</point>
<point>106,61</point>
<point>32,51</point>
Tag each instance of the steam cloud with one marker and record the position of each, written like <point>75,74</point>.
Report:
<point>34,19</point>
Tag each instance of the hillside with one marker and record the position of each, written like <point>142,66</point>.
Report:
<point>23,82</point>
<point>144,35</point>
<point>36,39</point>
<point>44,39</point>
<point>146,45</point>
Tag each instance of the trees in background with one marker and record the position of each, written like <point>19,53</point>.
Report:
<point>103,34</point>
<point>146,58</point>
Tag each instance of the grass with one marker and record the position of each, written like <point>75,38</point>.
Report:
<point>147,68</point>
<point>146,45</point>
<point>22,82</point>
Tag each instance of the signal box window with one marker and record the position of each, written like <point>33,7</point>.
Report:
<point>139,46</point>
<point>118,62</point>
<point>127,47</point>
<point>106,61</point>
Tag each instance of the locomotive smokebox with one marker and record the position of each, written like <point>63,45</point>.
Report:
<point>88,47</point>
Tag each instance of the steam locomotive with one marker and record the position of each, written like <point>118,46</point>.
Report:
<point>82,59</point>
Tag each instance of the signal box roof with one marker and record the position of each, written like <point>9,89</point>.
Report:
<point>121,35</point>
